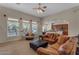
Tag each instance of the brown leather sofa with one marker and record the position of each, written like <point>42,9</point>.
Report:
<point>64,46</point>
<point>50,37</point>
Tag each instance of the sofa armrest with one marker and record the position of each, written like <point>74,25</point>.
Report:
<point>47,51</point>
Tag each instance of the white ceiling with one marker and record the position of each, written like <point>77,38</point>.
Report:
<point>52,8</point>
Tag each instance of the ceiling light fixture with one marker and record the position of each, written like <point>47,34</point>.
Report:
<point>40,9</point>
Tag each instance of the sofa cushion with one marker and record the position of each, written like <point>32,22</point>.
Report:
<point>55,46</point>
<point>67,47</point>
<point>62,39</point>
<point>51,38</point>
<point>47,51</point>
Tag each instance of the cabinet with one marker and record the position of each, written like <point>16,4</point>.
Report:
<point>61,27</point>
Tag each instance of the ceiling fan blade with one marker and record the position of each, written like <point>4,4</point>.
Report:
<point>43,10</point>
<point>44,7</point>
<point>40,8</point>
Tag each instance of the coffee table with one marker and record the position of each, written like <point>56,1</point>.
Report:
<point>38,43</point>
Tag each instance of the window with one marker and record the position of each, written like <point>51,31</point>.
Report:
<point>26,26</point>
<point>13,27</point>
<point>34,27</point>
<point>46,27</point>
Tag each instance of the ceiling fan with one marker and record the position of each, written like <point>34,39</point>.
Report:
<point>40,8</point>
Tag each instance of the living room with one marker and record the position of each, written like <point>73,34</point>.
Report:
<point>21,25</point>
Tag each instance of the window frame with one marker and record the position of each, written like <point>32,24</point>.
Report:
<point>13,20</point>
<point>25,21</point>
<point>36,24</point>
<point>47,27</point>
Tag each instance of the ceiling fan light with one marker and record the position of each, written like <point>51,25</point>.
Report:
<point>39,11</point>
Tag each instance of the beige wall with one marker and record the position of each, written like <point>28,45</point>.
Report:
<point>70,16</point>
<point>13,14</point>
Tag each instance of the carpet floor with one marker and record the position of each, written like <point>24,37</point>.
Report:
<point>20,47</point>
